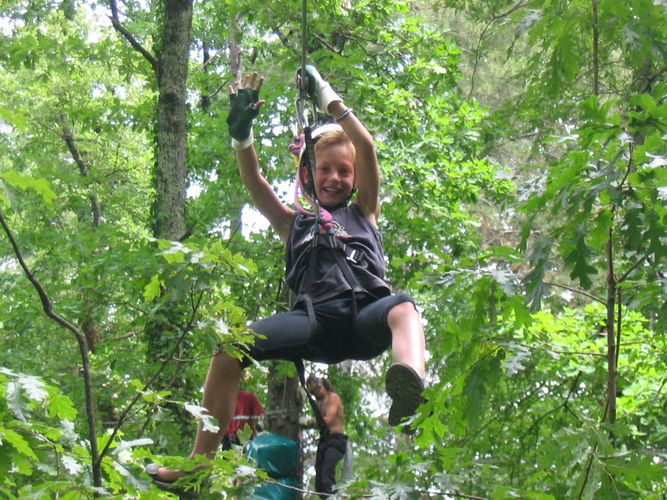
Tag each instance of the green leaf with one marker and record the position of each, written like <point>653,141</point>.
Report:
<point>39,185</point>
<point>16,119</point>
<point>578,255</point>
<point>61,406</point>
<point>173,252</point>
<point>484,374</point>
<point>153,289</point>
<point>534,280</point>
<point>23,464</point>
<point>600,233</point>
<point>18,442</point>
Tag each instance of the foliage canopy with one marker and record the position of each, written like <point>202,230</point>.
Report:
<point>523,154</point>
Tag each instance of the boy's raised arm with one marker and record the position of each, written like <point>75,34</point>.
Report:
<point>245,104</point>
<point>367,170</point>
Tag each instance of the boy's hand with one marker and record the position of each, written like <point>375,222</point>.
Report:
<point>245,103</point>
<point>320,90</point>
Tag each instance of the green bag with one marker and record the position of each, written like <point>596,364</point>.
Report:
<point>275,454</point>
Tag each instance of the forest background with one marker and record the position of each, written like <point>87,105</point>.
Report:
<point>522,147</point>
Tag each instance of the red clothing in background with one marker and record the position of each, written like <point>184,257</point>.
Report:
<point>247,405</point>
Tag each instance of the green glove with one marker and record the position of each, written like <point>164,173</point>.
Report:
<point>320,90</point>
<point>242,112</point>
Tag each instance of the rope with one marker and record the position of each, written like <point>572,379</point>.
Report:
<point>304,35</point>
<point>323,218</point>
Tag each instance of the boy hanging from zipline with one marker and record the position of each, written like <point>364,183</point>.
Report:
<point>335,265</point>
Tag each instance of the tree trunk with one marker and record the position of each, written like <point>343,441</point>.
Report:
<point>172,75</point>
<point>286,402</point>
<point>170,181</point>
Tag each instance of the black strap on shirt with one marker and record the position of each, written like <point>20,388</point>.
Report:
<point>342,254</point>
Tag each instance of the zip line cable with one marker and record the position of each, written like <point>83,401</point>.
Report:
<point>307,113</point>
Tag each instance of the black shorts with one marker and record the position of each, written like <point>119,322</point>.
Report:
<point>338,335</point>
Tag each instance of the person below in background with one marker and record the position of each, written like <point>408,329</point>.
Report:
<point>332,444</point>
<point>247,413</point>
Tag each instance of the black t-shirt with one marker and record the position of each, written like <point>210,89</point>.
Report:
<point>356,231</point>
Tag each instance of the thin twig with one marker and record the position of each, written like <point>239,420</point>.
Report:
<point>634,266</point>
<point>122,337</point>
<point>209,61</point>
<point>629,166</point>
<point>572,353</point>
<point>611,479</point>
<point>587,471</point>
<point>575,353</point>
<point>576,290</point>
<point>573,389</point>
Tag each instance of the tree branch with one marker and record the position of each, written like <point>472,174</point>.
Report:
<point>115,21</point>
<point>284,40</point>
<point>619,322</point>
<point>629,168</point>
<point>326,44</point>
<point>47,306</point>
<point>493,19</point>
<point>68,137</point>
<point>596,47</point>
<point>612,368</point>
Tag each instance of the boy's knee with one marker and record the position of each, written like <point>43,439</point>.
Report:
<point>405,311</point>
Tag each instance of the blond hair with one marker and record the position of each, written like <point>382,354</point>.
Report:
<point>333,137</point>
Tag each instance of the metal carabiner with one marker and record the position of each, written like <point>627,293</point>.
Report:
<point>306,111</point>
<point>306,116</point>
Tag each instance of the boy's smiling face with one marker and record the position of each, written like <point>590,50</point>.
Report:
<point>334,176</point>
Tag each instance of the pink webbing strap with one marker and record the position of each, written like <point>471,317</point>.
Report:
<point>326,220</point>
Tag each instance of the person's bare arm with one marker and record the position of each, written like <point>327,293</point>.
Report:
<point>265,199</point>
<point>367,169</point>
<point>279,215</point>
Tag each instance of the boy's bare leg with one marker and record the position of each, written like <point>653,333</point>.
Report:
<point>407,342</point>
<point>220,392</point>
<point>404,380</point>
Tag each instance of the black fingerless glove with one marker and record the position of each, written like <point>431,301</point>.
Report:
<point>241,114</point>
